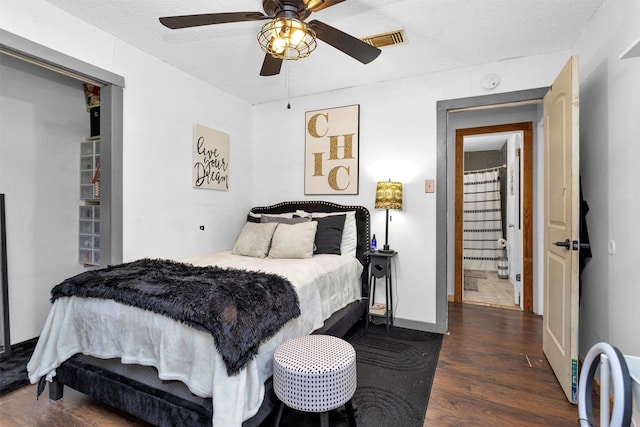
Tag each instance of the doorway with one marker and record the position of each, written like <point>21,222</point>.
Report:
<point>447,110</point>
<point>494,215</point>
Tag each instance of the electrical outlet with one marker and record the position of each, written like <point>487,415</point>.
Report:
<point>428,186</point>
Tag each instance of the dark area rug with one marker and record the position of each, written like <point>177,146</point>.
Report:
<point>13,367</point>
<point>395,374</point>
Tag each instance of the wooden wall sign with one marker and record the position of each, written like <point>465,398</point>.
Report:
<point>210,167</point>
<point>331,151</point>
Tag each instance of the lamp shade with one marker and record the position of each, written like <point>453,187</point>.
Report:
<point>389,195</point>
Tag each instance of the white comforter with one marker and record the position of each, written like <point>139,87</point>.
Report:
<point>107,329</point>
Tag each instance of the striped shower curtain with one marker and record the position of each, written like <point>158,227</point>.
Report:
<point>482,221</point>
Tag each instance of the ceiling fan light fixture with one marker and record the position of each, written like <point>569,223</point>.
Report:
<point>287,38</point>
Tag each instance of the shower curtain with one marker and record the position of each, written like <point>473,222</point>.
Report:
<point>482,221</point>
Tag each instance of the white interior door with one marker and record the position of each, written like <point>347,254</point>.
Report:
<point>561,224</point>
<point>515,208</point>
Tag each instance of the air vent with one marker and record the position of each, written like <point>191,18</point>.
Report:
<point>386,39</point>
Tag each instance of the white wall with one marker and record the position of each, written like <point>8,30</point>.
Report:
<point>397,141</point>
<point>610,148</point>
<point>161,211</point>
<point>42,121</point>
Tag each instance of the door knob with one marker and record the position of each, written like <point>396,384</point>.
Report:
<point>566,244</point>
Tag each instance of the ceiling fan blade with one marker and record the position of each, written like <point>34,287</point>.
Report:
<point>186,21</point>
<point>271,66</point>
<point>316,5</point>
<point>344,42</point>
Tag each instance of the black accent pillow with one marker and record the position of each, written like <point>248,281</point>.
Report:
<point>329,234</point>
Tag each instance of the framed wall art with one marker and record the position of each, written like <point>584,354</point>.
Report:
<point>332,151</point>
<point>210,167</point>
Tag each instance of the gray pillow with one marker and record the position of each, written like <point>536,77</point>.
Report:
<point>293,240</point>
<point>282,220</point>
<point>254,239</point>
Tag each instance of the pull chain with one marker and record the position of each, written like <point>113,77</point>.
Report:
<point>288,84</point>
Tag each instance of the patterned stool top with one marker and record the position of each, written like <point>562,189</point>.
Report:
<point>314,373</point>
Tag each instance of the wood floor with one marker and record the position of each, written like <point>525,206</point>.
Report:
<point>491,372</point>
<point>491,290</point>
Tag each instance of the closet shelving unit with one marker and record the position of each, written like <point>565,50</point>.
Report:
<point>89,223</point>
<point>89,227</point>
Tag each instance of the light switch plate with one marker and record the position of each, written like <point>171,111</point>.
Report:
<point>428,186</point>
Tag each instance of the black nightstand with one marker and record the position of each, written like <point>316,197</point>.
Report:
<point>380,267</point>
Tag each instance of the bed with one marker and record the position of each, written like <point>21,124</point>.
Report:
<point>139,378</point>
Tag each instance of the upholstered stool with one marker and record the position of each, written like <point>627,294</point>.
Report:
<point>315,373</point>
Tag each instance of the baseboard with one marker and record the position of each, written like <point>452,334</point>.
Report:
<point>418,326</point>
<point>22,347</point>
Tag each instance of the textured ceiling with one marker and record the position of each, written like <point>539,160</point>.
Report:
<point>441,35</point>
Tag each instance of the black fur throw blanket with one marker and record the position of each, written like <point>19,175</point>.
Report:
<point>239,308</point>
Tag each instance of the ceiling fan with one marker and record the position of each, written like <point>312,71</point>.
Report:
<point>286,36</point>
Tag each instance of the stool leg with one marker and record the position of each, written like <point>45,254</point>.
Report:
<point>324,419</point>
<point>279,417</point>
<point>350,414</point>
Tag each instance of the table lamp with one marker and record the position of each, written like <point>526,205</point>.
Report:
<point>388,196</point>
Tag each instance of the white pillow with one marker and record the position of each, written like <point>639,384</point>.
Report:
<point>349,232</point>
<point>254,239</point>
<point>303,214</point>
<point>293,240</point>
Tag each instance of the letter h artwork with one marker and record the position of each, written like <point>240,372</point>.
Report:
<point>331,151</point>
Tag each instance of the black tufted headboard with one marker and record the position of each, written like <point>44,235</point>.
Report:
<point>362,224</point>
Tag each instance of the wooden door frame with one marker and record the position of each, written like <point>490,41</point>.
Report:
<point>527,206</point>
